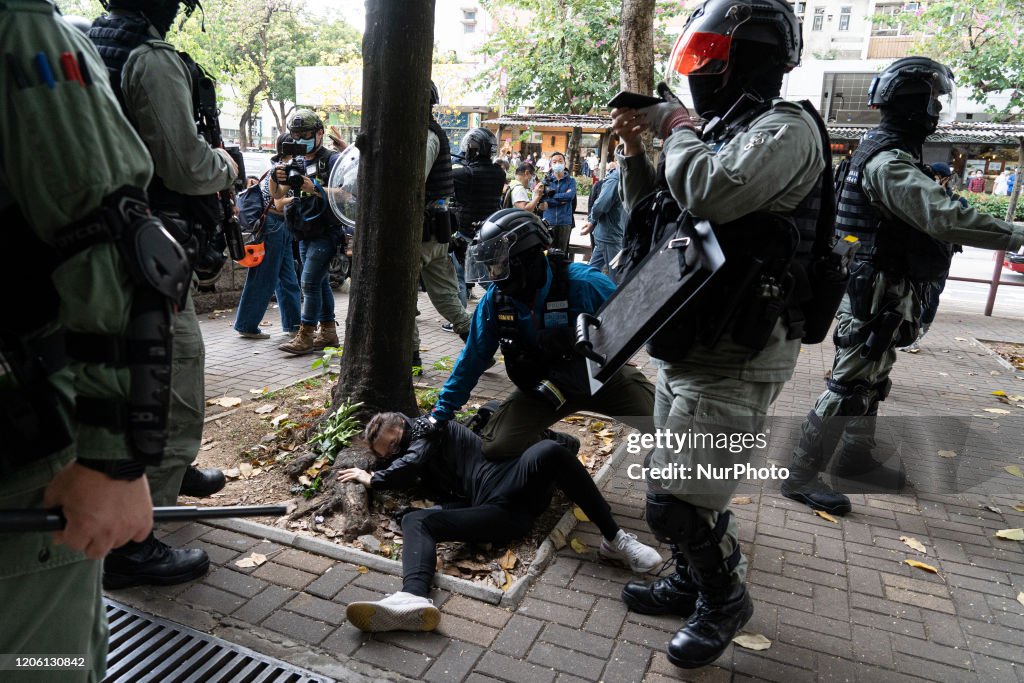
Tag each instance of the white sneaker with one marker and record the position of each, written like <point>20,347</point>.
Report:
<point>640,558</point>
<point>397,612</point>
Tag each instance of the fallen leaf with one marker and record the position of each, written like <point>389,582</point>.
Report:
<point>921,565</point>
<point>826,516</point>
<point>1011,534</point>
<point>959,338</point>
<point>742,500</point>
<point>993,508</point>
<point>1020,598</point>
<point>1016,398</point>
<point>225,401</point>
<point>596,426</point>
<point>244,470</point>
<point>1019,508</point>
<point>752,641</point>
<point>263,410</point>
<point>253,560</point>
<point>579,546</point>
<point>232,473</point>
<point>912,350</point>
<point>260,391</point>
<point>1000,392</point>
<point>582,457</point>
<point>1014,470</point>
<point>573,419</point>
<point>947,454</point>
<point>997,411</point>
<point>995,373</point>
<point>362,570</point>
<point>508,581</point>
<point>914,543</point>
<point>304,480</point>
<point>208,446</point>
<point>579,514</point>
<point>278,419</point>
<point>508,560</point>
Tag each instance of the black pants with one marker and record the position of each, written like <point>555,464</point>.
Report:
<point>521,490</point>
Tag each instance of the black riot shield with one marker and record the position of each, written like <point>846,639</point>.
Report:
<point>654,291</point>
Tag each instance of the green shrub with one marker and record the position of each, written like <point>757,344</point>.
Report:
<point>583,185</point>
<point>993,205</point>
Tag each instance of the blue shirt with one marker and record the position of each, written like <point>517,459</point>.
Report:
<point>559,211</point>
<point>607,214</point>
<point>588,290</point>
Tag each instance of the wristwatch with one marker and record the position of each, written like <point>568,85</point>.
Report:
<point>122,470</point>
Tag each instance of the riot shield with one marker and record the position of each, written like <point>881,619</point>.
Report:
<point>342,186</point>
<point>669,276</point>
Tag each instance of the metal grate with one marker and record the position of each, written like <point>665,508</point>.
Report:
<point>145,648</point>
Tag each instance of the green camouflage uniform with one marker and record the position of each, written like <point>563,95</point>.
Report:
<point>758,170</point>
<point>61,151</point>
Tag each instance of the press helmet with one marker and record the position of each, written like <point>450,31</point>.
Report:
<point>916,83</point>
<point>479,143</point>
<point>507,235</point>
<point>304,121</point>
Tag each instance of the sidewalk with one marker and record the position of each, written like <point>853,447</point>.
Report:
<point>836,600</point>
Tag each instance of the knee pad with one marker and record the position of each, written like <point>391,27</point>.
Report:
<point>670,519</point>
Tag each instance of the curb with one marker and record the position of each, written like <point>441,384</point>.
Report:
<point>510,599</point>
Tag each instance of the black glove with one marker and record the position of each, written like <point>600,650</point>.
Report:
<point>426,427</point>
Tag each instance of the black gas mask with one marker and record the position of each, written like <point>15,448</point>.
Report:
<point>527,273</point>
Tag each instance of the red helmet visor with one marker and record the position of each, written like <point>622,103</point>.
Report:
<point>703,48</point>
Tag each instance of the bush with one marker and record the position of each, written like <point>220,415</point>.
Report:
<point>583,185</point>
<point>993,205</point>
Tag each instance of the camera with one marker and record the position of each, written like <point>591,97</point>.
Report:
<point>297,166</point>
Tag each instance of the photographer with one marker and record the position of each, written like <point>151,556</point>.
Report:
<point>313,224</point>
<point>559,193</point>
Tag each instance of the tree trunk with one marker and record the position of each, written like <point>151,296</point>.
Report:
<point>243,130</point>
<point>573,151</point>
<point>636,51</point>
<point>376,365</point>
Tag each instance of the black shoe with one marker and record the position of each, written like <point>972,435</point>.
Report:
<point>201,483</point>
<point>815,494</point>
<point>563,439</point>
<point>704,637</point>
<point>416,360</point>
<point>672,594</point>
<point>152,563</point>
<point>867,475</point>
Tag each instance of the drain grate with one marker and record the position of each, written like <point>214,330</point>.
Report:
<point>145,648</point>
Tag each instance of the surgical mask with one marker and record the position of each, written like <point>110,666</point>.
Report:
<point>557,168</point>
<point>308,144</point>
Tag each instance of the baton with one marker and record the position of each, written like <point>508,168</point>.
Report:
<point>21,521</point>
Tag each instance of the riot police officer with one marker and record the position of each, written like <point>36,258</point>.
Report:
<point>530,312</point>
<point>478,185</point>
<point>102,276</point>
<point>908,225</point>
<point>155,89</point>
<point>757,163</point>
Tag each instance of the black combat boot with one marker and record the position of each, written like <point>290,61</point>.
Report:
<point>672,594</point>
<point>861,473</point>
<point>804,486</point>
<point>152,562</point>
<point>201,483</point>
<point>718,617</point>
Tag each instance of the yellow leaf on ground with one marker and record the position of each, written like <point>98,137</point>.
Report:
<point>596,426</point>
<point>582,457</point>
<point>1020,598</point>
<point>999,393</point>
<point>947,454</point>
<point>508,580</point>
<point>826,516</point>
<point>508,560</point>
<point>922,565</point>
<point>1019,508</point>
<point>579,546</point>
<point>573,419</point>
<point>742,500</point>
<point>253,560</point>
<point>997,411</point>
<point>752,641</point>
<point>914,543</point>
<point>1011,534</point>
<point>1014,470</point>
<point>362,570</point>
<point>261,390</point>
<point>579,514</point>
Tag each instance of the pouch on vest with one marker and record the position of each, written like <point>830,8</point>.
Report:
<point>861,289</point>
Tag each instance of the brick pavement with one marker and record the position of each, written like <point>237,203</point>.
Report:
<point>836,600</point>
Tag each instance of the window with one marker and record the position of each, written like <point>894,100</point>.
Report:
<point>801,7</point>
<point>469,15</point>
<point>819,18</point>
<point>844,18</point>
<point>469,28</point>
<point>844,99</point>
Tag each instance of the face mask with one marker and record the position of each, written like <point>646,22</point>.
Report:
<point>557,168</point>
<point>308,144</point>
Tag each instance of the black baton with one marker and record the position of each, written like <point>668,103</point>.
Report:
<point>21,521</point>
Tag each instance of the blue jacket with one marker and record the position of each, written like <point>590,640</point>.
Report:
<point>607,214</point>
<point>559,211</point>
<point>588,290</point>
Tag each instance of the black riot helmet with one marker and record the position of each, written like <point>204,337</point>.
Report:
<point>729,47</point>
<point>507,237</point>
<point>435,95</point>
<point>160,13</point>
<point>479,144</point>
<point>918,89</point>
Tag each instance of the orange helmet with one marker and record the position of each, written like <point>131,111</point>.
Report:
<point>253,255</point>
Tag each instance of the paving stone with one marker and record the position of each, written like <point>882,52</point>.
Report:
<point>455,663</point>
<point>887,623</point>
<point>872,646</point>
<point>332,581</point>
<point>431,644</point>
<point>393,658</point>
<point>230,539</point>
<point>546,611</point>
<point>510,669</point>
<point>219,555</point>
<point>578,640</point>
<point>606,617</point>
<point>263,605</point>
<point>307,562</point>
<point>814,622</point>
<point>317,608</point>
<point>935,671</point>
<point>353,593</point>
<point>282,575</point>
<point>864,580</point>
<point>764,668</point>
<point>816,641</point>
<point>211,598</point>
<point>474,610</point>
<point>559,572</point>
<point>627,663</point>
<point>644,635</point>
<point>563,659</point>
<point>919,599</point>
<point>184,535</point>
<point>518,635</point>
<point>463,629</point>
<point>297,626</point>
<point>385,583</point>
<point>345,641</point>
<point>235,582</point>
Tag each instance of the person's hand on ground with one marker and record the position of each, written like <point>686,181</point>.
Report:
<point>355,474</point>
<point>101,513</point>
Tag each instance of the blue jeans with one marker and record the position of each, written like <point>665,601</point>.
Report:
<point>317,296</point>
<point>601,258</point>
<point>275,275</point>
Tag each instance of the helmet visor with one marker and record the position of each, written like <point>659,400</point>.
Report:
<point>343,186</point>
<point>489,261</point>
<point>703,48</point>
<point>943,100</point>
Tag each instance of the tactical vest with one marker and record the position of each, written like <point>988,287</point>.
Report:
<point>889,244</point>
<point>311,216</point>
<point>766,273</point>
<point>551,357</point>
<point>478,194</point>
<point>439,181</point>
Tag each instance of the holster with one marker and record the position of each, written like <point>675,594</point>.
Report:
<point>437,225</point>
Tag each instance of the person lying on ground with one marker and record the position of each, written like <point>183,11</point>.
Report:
<point>488,502</point>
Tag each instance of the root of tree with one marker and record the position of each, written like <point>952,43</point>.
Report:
<point>349,500</point>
